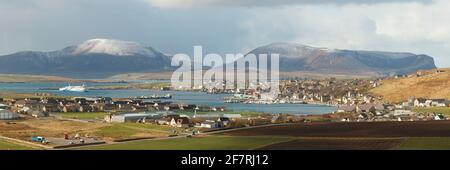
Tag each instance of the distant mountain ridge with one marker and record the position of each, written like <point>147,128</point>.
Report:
<point>111,47</point>
<point>92,58</point>
<point>100,58</point>
<point>297,57</point>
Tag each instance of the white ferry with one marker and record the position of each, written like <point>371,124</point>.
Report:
<point>81,88</point>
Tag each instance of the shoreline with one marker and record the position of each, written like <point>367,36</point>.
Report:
<point>290,108</point>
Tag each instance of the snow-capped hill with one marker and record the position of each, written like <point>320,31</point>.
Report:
<point>111,47</point>
<point>93,59</point>
<point>297,57</point>
<point>106,57</point>
<point>293,50</point>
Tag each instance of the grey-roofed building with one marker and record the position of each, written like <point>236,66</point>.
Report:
<point>346,109</point>
<point>7,115</point>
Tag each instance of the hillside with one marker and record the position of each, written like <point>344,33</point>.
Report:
<point>14,78</point>
<point>425,84</point>
<point>140,76</point>
<point>298,57</point>
<point>102,58</point>
<point>96,58</point>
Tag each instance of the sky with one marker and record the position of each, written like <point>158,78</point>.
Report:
<point>230,26</point>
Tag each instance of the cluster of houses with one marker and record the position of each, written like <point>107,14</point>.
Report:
<point>136,110</point>
<point>209,121</point>
<point>382,112</point>
<point>422,102</point>
<point>41,107</point>
<point>375,111</point>
<point>328,91</point>
<point>130,110</point>
<point>212,120</point>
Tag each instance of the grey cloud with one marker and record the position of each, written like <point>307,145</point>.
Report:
<point>265,3</point>
<point>45,25</point>
<point>53,24</point>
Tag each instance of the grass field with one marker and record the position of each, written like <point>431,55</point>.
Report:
<point>443,110</point>
<point>84,115</point>
<point>244,113</point>
<point>5,145</point>
<point>196,143</point>
<point>425,143</point>
<point>11,78</point>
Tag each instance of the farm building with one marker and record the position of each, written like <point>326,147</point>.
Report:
<point>7,115</point>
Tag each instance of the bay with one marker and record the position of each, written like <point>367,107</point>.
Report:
<point>184,97</point>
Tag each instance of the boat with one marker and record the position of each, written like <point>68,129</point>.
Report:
<point>71,88</point>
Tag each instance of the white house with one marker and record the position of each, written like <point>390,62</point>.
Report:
<point>402,112</point>
<point>438,102</point>
<point>173,122</point>
<point>439,117</point>
<point>209,124</point>
<point>420,102</point>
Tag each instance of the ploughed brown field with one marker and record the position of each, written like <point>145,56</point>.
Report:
<point>346,136</point>
<point>352,129</point>
<point>336,144</point>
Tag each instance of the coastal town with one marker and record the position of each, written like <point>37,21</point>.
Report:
<point>223,83</point>
<point>351,98</point>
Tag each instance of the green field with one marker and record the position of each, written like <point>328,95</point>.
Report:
<point>5,145</point>
<point>443,110</point>
<point>242,113</point>
<point>82,115</point>
<point>196,143</point>
<point>153,127</point>
<point>100,115</point>
<point>425,143</point>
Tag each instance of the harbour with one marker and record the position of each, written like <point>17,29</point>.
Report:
<point>183,97</point>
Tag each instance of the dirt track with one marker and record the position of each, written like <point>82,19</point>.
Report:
<point>24,129</point>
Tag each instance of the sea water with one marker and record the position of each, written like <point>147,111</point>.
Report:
<point>184,97</point>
